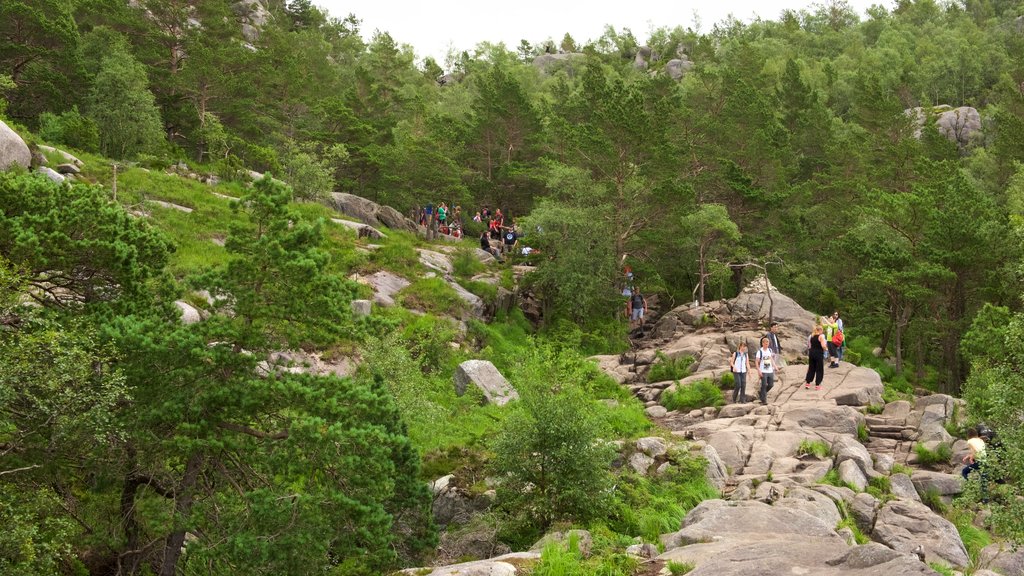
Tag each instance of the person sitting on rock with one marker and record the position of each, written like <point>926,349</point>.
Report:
<point>765,362</point>
<point>485,245</point>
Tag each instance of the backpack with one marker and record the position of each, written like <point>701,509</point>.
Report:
<point>838,338</point>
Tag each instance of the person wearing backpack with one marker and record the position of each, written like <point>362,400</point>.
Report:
<point>816,355</point>
<point>637,308</point>
<point>830,328</point>
<point>765,362</point>
<point>773,342</point>
<point>739,365</point>
<point>841,347</point>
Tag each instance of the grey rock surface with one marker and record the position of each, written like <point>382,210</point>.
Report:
<point>903,525</point>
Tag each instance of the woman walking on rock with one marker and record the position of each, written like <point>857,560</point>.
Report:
<point>816,354</point>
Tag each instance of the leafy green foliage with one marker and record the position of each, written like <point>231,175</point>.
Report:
<point>665,368</point>
<point>432,295</point>
<point>933,499</point>
<point>71,129</point>
<point>699,394</point>
<point>650,507</point>
<point>121,104</point>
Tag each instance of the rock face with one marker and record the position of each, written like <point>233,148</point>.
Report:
<point>51,174</point>
<point>253,15</point>
<point>486,377</point>
<point>370,212</point>
<point>13,150</point>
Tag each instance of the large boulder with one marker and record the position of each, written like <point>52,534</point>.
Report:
<point>505,565</point>
<point>13,150</point>
<point>370,212</point>
<point>385,285</point>
<point>678,67</point>
<point>960,125</point>
<point>483,375</point>
<point>904,525</point>
<point>943,484</point>
<point>551,63</point>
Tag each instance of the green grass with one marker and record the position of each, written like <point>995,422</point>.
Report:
<point>679,568</point>
<point>880,487</point>
<point>862,433</point>
<point>648,507</point>
<point>848,522</point>
<point>817,448</point>
<point>932,499</point>
<point>942,569</point>
<point>692,396</point>
<point>833,478</point>
<point>902,469</point>
<point>665,368</point>
<point>974,538</point>
<point>875,408</point>
<point>465,263</point>
<point>940,455</point>
<point>431,295</point>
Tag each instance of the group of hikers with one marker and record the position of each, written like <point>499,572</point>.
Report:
<point>441,218</point>
<point>636,302</point>
<point>446,220</point>
<point>825,343</point>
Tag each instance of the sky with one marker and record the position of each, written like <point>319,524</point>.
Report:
<point>434,26</point>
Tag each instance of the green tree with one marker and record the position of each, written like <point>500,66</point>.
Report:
<point>550,457</point>
<point>123,107</point>
<point>713,237</point>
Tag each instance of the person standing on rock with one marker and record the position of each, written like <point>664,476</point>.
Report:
<point>816,355</point>
<point>839,326</point>
<point>765,362</point>
<point>773,342</point>
<point>739,365</point>
<point>830,328</point>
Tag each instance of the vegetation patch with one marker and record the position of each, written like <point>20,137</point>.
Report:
<point>938,456</point>
<point>432,295</point>
<point>817,448</point>
<point>699,394</point>
<point>664,368</point>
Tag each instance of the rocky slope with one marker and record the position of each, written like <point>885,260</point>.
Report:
<point>776,515</point>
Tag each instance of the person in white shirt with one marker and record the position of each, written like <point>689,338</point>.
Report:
<point>739,365</point>
<point>765,362</point>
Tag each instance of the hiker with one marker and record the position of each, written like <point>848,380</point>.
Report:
<point>429,213</point>
<point>485,245</point>
<point>839,326</point>
<point>494,228</point>
<point>442,213</point>
<point>477,218</point>
<point>975,459</point>
<point>636,307</point>
<point>773,342</point>
<point>765,362</point>
<point>739,365</point>
<point>830,327</point>
<point>510,238</point>
<point>817,352</point>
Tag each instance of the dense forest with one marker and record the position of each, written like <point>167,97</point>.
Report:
<point>865,162</point>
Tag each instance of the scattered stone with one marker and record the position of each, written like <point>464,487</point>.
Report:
<point>483,375</point>
<point>51,174</point>
<point>944,484</point>
<point>361,308</point>
<point>641,463</point>
<point>362,230</point>
<point>653,446</point>
<point>68,169</point>
<point>171,206</point>
<point>646,551</point>
<point>656,412</point>
<point>189,313</point>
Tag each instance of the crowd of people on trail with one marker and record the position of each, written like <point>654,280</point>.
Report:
<point>500,236</point>
<point>825,344</point>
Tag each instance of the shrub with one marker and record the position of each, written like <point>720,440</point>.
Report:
<point>817,448</point>
<point>70,128</point>
<point>692,396</point>
<point>550,461</point>
<point>649,507</point>
<point>927,457</point>
<point>465,264</point>
<point>665,368</point>
<point>852,357</point>
<point>728,380</point>
<point>862,433</point>
<point>875,408</point>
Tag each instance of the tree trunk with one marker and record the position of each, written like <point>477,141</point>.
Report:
<point>183,499</point>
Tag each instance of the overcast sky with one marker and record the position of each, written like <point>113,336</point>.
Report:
<point>434,26</point>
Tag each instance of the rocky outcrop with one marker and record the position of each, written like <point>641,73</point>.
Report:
<point>960,125</point>
<point>370,212</point>
<point>253,16</point>
<point>483,375</point>
<point>13,150</point>
<point>504,565</point>
<point>551,63</point>
<point>678,67</point>
<point>385,285</point>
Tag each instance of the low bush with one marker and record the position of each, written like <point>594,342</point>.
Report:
<point>728,380</point>
<point>665,368</point>
<point>465,264</point>
<point>699,394</point>
<point>927,457</point>
<point>933,499</point>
